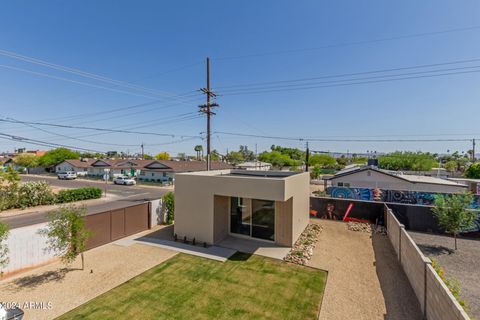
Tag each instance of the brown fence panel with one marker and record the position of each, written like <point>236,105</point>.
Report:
<point>118,224</point>
<point>99,226</point>
<point>136,219</point>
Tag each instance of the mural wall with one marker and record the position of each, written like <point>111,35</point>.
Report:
<point>394,196</point>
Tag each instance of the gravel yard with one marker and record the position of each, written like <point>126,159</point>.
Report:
<point>462,264</point>
<point>365,280</point>
<point>54,289</point>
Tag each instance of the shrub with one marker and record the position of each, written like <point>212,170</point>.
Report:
<point>78,194</point>
<point>3,246</point>
<point>34,193</point>
<point>169,206</point>
<point>452,283</point>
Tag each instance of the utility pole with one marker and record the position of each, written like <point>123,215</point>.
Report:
<point>143,153</point>
<point>206,108</point>
<point>473,150</point>
<point>307,158</point>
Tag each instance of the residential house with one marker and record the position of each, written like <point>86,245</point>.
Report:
<point>371,178</point>
<point>255,165</point>
<point>78,166</point>
<point>271,206</point>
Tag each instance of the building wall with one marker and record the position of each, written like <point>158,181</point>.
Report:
<point>373,179</point>
<point>194,199</point>
<point>435,299</point>
<point>146,175</point>
<point>64,166</point>
<point>283,222</point>
<point>220,222</point>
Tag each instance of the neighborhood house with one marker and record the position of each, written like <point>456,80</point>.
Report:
<point>144,170</point>
<point>265,205</point>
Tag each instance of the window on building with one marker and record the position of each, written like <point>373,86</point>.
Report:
<point>339,184</point>
<point>253,217</point>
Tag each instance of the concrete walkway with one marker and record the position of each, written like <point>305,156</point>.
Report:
<point>261,248</point>
<point>365,281</point>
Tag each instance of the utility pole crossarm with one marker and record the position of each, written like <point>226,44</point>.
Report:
<point>207,109</point>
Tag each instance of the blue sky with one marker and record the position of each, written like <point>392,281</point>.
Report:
<point>162,46</point>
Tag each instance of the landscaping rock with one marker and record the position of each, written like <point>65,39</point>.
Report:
<point>302,251</point>
<point>365,227</point>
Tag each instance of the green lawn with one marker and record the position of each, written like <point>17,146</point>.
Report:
<point>189,287</point>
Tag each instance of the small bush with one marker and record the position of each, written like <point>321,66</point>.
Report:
<point>169,206</point>
<point>34,193</point>
<point>78,194</point>
<point>452,283</point>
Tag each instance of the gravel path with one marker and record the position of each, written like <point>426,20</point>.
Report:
<point>56,290</point>
<point>461,264</point>
<point>365,281</point>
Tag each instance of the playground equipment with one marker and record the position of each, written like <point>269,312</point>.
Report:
<point>346,218</point>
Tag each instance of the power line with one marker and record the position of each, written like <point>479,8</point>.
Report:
<point>337,140</point>
<point>349,84</point>
<point>82,73</point>
<point>92,128</point>
<point>351,74</point>
<point>346,44</point>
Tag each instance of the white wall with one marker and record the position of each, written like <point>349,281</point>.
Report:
<point>26,248</point>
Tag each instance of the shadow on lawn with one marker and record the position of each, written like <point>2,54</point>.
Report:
<point>240,256</point>
<point>30,282</point>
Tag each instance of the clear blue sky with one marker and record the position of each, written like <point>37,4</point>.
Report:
<point>145,42</point>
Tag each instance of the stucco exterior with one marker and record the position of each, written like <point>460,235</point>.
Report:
<point>376,179</point>
<point>202,202</point>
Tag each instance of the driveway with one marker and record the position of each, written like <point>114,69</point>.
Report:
<point>117,197</point>
<point>365,280</point>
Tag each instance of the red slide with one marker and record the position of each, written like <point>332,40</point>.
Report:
<point>346,218</point>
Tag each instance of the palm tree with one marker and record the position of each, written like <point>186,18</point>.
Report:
<point>198,148</point>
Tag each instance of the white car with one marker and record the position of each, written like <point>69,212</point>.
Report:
<point>124,180</point>
<point>67,175</point>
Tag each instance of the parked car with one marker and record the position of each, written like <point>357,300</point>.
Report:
<point>11,314</point>
<point>124,180</point>
<point>67,175</point>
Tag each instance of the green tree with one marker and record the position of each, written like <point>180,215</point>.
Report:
<point>162,156</point>
<point>322,160</point>
<point>27,160</point>
<point>214,155</point>
<point>473,171</point>
<point>3,246</point>
<point>9,188</point>
<point>278,159</point>
<point>182,156</point>
<point>56,156</point>
<point>292,153</point>
<point>247,155</point>
<point>316,172</point>
<point>169,206</point>
<point>235,157</point>
<point>66,232</point>
<point>451,166</point>
<point>147,157</point>
<point>411,161</point>
<point>453,214</point>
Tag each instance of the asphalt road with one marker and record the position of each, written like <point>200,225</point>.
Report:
<point>123,196</point>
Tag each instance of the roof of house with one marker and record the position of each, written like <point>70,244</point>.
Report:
<point>151,165</point>
<point>399,175</point>
<point>253,164</point>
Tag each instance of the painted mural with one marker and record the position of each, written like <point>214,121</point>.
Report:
<point>395,196</point>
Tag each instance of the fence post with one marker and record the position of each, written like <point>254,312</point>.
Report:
<point>425,269</point>
<point>400,228</point>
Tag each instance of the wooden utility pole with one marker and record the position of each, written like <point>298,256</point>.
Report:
<point>143,153</point>
<point>473,149</point>
<point>207,109</point>
<point>307,158</point>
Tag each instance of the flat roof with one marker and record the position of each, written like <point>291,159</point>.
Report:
<point>259,173</point>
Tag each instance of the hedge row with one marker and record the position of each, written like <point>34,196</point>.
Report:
<point>79,194</point>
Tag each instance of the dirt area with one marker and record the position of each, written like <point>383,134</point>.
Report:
<point>50,291</point>
<point>365,280</point>
<point>461,264</point>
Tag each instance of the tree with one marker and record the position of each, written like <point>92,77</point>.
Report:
<point>66,232</point>
<point>214,155</point>
<point>182,156</point>
<point>292,153</point>
<point>247,155</point>
<point>3,246</point>
<point>198,149</point>
<point>322,160</point>
<point>278,159</point>
<point>473,171</point>
<point>315,172</point>
<point>451,166</point>
<point>27,160</point>
<point>162,156</point>
<point>453,214</point>
<point>56,156</point>
<point>147,157</point>
<point>235,157</point>
<point>8,188</point>
<point>412,161</point>
<point>169,206</point>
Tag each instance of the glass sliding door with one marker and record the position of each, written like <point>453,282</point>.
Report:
<point>240,216</point>
<point>263,219</point>
<point>253,217</point>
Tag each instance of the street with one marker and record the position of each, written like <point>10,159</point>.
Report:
<point>123,196</point>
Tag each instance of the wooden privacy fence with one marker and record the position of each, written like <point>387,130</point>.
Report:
<point>436,300</point>
<point>112,225</point>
